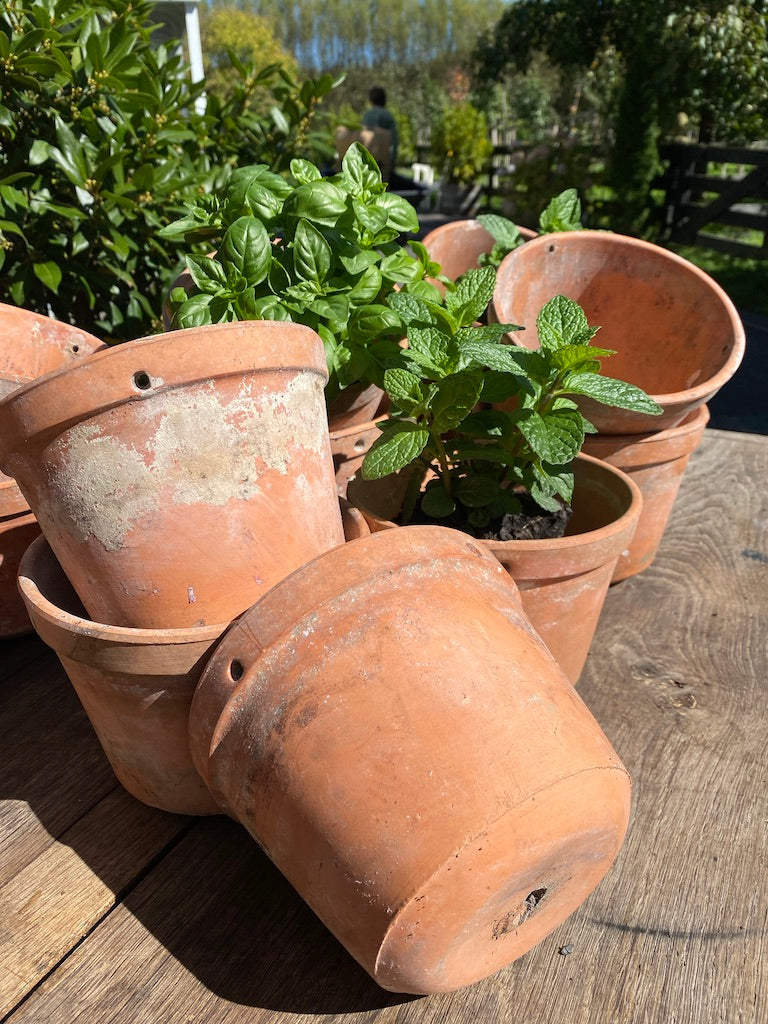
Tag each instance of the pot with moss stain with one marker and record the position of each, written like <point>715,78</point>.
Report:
<point>563,581</point>
<point>676,333</point>
<point>656,462</point>
<point>180,476</point>
<point>390,729</point>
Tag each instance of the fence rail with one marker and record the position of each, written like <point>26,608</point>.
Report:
<point>732,194</point>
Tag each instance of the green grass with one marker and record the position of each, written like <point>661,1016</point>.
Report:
<point>744,280</point>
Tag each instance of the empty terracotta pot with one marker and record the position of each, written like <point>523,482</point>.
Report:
<point>135,685</point>
<point>562,581</point>
<point>179,476</point>
<point>399,741</point>
<point>676,333</point>
<point>656,463</point>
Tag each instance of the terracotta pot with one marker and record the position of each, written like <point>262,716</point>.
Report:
<point>135,685</point>
<point>17,531</point>
<point>354,406</point>
<point>676,333</point>
<point>458,245</point>
<point>350,446</point>
<point>32,344</point>
<point>180,476</point>
<point>395,736</point>
<point>656,462</point>
<point>563,581</point>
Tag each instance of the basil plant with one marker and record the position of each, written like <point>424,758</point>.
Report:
<point>320,251</point>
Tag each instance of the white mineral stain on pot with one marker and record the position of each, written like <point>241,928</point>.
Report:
<point>103,486</point>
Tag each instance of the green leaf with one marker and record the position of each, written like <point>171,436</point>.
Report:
<point>195,312</point>
<point>207,273</point>
<point>311,253</point>
<point>563,322</point>
<point>373,321</point>
<point>477,491</point>
<point>395,449</point>
<point>360,170</point>
<point>484,353</point>
<point>404,389</point>
<point>49,273</point>
<point>563,213</point>
<point>400,213</point>
<point>455,398</point>
<point>430,349</point>
<point>39,152</point>
<point>501,229</point>
<point>436,502</point>
<point>304,171</point>
<point>609,391</point>
<point>246,246</point>
<point>580,357</point>
<point>317,201</point>
<point>473,293</point>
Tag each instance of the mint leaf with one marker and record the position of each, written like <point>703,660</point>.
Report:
<point>501,230</point>
<point>563,213</point>
<point>437,502</point>
<point>394,450</point>
<point>474,290</point>
<point>609,391</point>
<point>563,322</point>
<point>454,398</point>
<point>403,388</point>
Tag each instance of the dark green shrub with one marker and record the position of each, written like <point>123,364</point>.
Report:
<point>100,146</point>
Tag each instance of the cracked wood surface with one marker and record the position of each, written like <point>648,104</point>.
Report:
<point>114,912</point>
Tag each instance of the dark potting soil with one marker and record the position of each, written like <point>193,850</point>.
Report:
<point>531,523</point>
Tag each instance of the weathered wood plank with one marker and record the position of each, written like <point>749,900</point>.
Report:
<point>677,932</point>
<point>47,907</point>
<point>52,769</point>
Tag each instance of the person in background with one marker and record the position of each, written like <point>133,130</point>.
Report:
<point>377,116</point>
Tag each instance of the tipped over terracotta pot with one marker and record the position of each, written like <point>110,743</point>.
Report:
<point>676,333</point>
<point>391,730</point>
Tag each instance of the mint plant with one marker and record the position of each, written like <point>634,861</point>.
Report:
<point>467,458</point>
<point>318,251</point>
<point>562,213</point>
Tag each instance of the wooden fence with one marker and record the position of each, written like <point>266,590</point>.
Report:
<point>721,187</point>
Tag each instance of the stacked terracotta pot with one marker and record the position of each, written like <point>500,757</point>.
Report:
<point>379,714</point>
<point>675,332</point>
<point>30,346</point>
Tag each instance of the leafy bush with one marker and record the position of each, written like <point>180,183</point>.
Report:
<point>100,145</point>
<point>460,143</point>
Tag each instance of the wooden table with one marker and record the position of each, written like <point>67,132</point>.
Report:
<point>114,912</point>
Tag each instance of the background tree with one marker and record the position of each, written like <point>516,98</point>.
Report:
<point>250,37</point>
<point>707,60</point>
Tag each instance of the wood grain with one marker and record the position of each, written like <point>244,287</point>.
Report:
<point>675,934</point>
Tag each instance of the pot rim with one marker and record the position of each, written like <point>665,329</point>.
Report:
<point>39,559</point>
<point>138,370</point>
<point>577,541</point>
<point>12,501</point>
<point>699,393</point>
<point>653,446</point>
